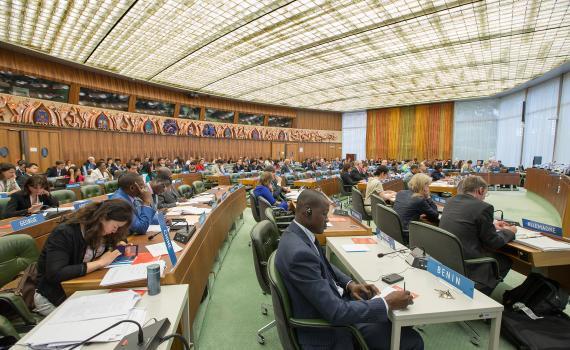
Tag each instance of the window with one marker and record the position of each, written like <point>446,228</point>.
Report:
<point>280,122</point>
<point>250,119</point>
<point>30,86</point>
<point>188,112</point>
<point>103,99</point>
<point>214,115</point>
<point>154,107</point>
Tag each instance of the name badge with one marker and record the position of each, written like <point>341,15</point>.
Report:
<point>80,204</point>
<point>27,222</point>
<point>100,182</point>
<point>538,226</point>
<point>452,277</point>
<point>166,237</point>
<point>3,195</point>
<point>76,185</point>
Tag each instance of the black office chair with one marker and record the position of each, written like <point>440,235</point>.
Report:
<point>445,247</point>
<point>254,207</point>
<point>280,221</point>
<point>358,204</point>
<point>286,323</point>
<point>388,221</point>
<point>264,241</point>
<point>375,199</point>
<point>263,204</point>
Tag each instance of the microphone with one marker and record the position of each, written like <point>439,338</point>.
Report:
<point>381,255</point>
<point>140,335</point>
<point>501,213</point>
<point>153,235</point>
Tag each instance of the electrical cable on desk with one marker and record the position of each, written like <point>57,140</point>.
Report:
<point>140,333</point>
<point>177,336</point>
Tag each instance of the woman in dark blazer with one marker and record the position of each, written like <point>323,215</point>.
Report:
<point>85,242</point>
<point>347,181</point>
<point>31,198</point>
<point>416,202</point>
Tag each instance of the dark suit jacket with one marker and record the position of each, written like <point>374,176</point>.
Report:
<point>55,172</point>
<point>410,208</point>
<point>168,198</point>
<point>285,169</point>
<point>313,294</point>
<point>471,220</point>
<point>19,204</point>
<point>21,180</point>
<point>357,175</point>
<point>347,181</point>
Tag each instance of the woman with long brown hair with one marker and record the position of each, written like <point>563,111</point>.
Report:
<point>83,243</point>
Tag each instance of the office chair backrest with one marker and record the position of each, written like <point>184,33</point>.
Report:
<point>281,307</point>
<point>64,196</point>
<point>3,204</point>
<point>264,241</point>
<point>374,201</point>
<point>185,191</point>
<point>269,216</point>
<point>90,191</point>
<point>263,205</point>
<point>388,221</point>
<point>358,202</point>
<point>438,243</point>
<point>16,253</point>
<point>254,207</point>
<point>198,187</point>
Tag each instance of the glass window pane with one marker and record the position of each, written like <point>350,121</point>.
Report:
<point>280,122</point>
<point>189,112</point>
<point>250,119</point>
<point>154,107</point>
<point>214,115</point>
<point>103,99</point>
<point>30,86</point>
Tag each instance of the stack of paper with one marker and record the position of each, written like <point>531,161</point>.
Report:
<point>159,249</point>
<point>187,211</point>
<point>523,233</point>
<point>129,273</point>
<point>544,243</point>
<point>80,318</point>
<point>202,199</point>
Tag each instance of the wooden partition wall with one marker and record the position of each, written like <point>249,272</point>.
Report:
<point>77,144</point>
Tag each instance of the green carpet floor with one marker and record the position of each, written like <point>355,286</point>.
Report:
<point>233,314</point>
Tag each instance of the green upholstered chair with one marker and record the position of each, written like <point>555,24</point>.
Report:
<point>286,323</point>
<point>198,187</point>
<point>17,252</point>
<point>185,191</point>
<point>3,204</point>
<point>234,178</point>
<point>111,186</point>
<point>91,191</point>
<point>64,196</point>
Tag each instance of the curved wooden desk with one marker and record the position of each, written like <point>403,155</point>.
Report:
<point>329,186</point>
<point>396,185</point>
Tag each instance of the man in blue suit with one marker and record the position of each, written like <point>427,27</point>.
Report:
<point>133,190</point>
<point>318,289</point>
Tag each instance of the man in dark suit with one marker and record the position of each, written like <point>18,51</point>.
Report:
<point>286,168</point>
<point>170,196</point>
<point>471,219</point>
<point>30,169</point>
<point>58,170</point>
<point>318,289</point>
<point>358,172</point>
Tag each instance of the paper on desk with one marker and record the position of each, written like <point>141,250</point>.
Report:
<point>129,273</point>
<point>159,249</point>
<point>545,243</point>
<point>201,199</point>
<point>153,228</point>
<point>329,224</point>
<point>523,233</point>
<point>187,211</point>
<point>390,289</point>
<point>96,306</point>
<point>353,248</point>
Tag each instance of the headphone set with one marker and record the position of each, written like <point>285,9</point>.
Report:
<point>309,212</point>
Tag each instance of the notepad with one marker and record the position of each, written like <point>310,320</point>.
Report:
<point>353,248</point>
<point>129,273</point>
<point>363,240</point>
<point>159,249</point>
<point>544,243</point>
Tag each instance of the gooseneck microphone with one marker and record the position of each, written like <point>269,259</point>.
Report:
<point>381,255</point>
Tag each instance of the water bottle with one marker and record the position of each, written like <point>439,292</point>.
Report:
<point>153,279</point>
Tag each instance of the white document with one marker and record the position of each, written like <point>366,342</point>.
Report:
<point>187,211</point>
<point>201,199</point>
<point>329,224</point>
<point>129,273</point>
<point>544,243</point>
<point>159,249</point>
<point>96,306</point>
<point>352,248</point>
<point>153,228</point>
<point>523,233</point>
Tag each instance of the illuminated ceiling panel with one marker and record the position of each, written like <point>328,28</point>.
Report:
<point>336,55</point>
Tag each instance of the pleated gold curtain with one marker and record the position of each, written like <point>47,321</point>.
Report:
<point>422,131</point>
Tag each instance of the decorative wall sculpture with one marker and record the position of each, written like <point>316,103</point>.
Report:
<point>23,110</point>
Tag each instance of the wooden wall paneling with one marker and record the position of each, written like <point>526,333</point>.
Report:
<point>320,120</point>
<point>277,150</point>
<point>10,139</point>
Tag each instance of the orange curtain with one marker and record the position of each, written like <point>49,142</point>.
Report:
<point>422,131</point>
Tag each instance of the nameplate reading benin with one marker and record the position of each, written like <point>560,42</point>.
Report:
<point>452,277</point>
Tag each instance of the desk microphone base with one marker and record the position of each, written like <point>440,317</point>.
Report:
<point>152,335</point>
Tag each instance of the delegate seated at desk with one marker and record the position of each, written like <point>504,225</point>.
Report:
<point>31,198</point>
<point>374,186</point>
<point>319,290</point>
<point>471,219</point>
<point>416,203</point>
<point>134,191</point>
<point>265,190</point>
<point>85,242</point>
<point>8,182</point>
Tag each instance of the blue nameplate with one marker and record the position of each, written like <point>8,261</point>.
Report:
<point>80,204</point>
<point>538,226</point>
<point>215,204</point>
<point>356,215</point>
<point>232,189</point>
<point>111,195</point>
<point>224,196</point>
<point>177,181</point>
<point>452,277</point>
<point>3,195</point>
<point>384,237</point>
<point>438,199</point>
<point>27,222</point>
<point>76,185</point>
<point>100,182</point>
<point>202,218</point>
<point>166,237</point>
<point>239,186</point>
<point>336,202</point>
